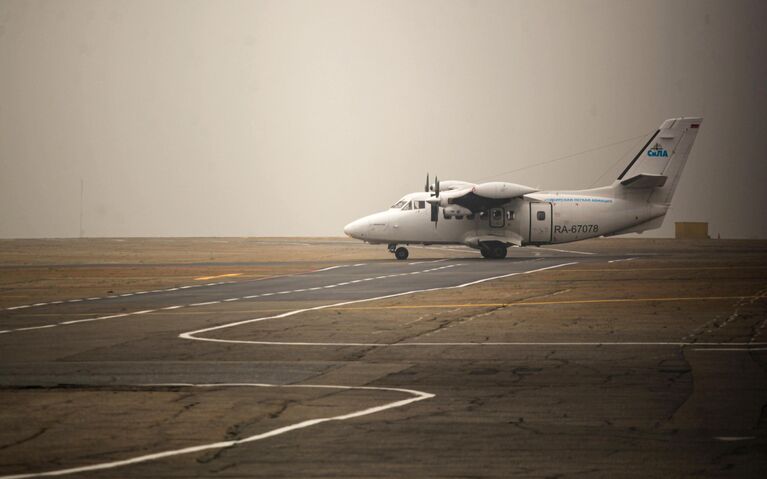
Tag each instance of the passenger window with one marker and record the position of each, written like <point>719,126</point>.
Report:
<point>509,215</point>
<point>541,215</point>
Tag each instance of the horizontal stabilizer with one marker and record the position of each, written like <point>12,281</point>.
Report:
<point>643,180</point>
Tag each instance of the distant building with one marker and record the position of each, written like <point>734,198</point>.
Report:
<point>691,230</point>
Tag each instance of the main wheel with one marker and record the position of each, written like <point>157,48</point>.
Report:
<point>498,252</point>
<point>484,252</point>
<point>401,253</point>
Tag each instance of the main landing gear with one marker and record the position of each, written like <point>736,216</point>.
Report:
<point>493,250</point>
<point>400,253</point>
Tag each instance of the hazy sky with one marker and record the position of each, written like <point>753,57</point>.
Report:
<point>213,118</point>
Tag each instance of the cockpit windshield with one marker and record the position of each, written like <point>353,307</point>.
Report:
<point>399,204</point>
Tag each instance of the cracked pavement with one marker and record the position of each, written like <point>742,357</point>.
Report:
<point>625,369</point>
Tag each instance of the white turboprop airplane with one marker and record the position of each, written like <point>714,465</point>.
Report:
<point>493,216</point>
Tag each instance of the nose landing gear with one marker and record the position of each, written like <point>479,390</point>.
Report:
<point>400,253</point>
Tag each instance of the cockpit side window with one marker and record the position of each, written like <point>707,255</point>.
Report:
<point>408,206</point>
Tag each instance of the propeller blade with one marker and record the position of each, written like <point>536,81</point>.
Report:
<point>426,188</point>
<point>436,187</point>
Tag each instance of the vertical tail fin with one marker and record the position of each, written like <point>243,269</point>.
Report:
<point>664,155</point>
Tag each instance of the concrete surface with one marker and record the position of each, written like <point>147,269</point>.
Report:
<point>327,358</point>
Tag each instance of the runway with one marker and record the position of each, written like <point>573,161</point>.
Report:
<point>619,359</point>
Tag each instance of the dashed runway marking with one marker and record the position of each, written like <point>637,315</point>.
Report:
<point>165,290</point>
<point>208,303</point>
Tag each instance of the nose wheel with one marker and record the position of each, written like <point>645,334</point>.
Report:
<point>400,253</point>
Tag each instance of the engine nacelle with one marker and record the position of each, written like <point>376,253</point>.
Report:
<point>449,185</point>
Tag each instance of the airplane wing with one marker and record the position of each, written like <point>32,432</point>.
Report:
<point>480,197</point>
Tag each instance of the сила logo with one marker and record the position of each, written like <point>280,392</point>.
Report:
<point>657,150</point>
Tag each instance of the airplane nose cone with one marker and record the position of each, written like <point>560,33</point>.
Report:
<point>353,229</point>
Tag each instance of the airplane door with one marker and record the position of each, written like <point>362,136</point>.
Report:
<point>497,218</point>
<point>540,223</point>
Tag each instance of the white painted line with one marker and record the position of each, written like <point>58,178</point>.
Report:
<point>415,397</point>
<point>205,303</point>
<point>5,331</point>
<point>622,259</point>
<point>87,320</point>
<point>172,307</point>
<point>30,328</point>
<point>252,296</point>
<point>39,304</point>
<point>331,267</point>
<point>20,307</point>
<point>567,251</point>
<point>74,300</point>
<point>231,299</point>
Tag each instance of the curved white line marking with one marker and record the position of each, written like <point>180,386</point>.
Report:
<point>416,396</point>
<point>192,334</point>
<point>709,346</point>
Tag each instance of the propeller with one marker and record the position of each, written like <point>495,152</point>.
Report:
<point>435,205</point>
<point>426,188</point>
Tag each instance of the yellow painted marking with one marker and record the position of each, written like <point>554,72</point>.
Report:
<point>228,275</point>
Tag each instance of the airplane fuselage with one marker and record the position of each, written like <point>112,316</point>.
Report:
<point>495,215</point>
<point>539,218</point>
